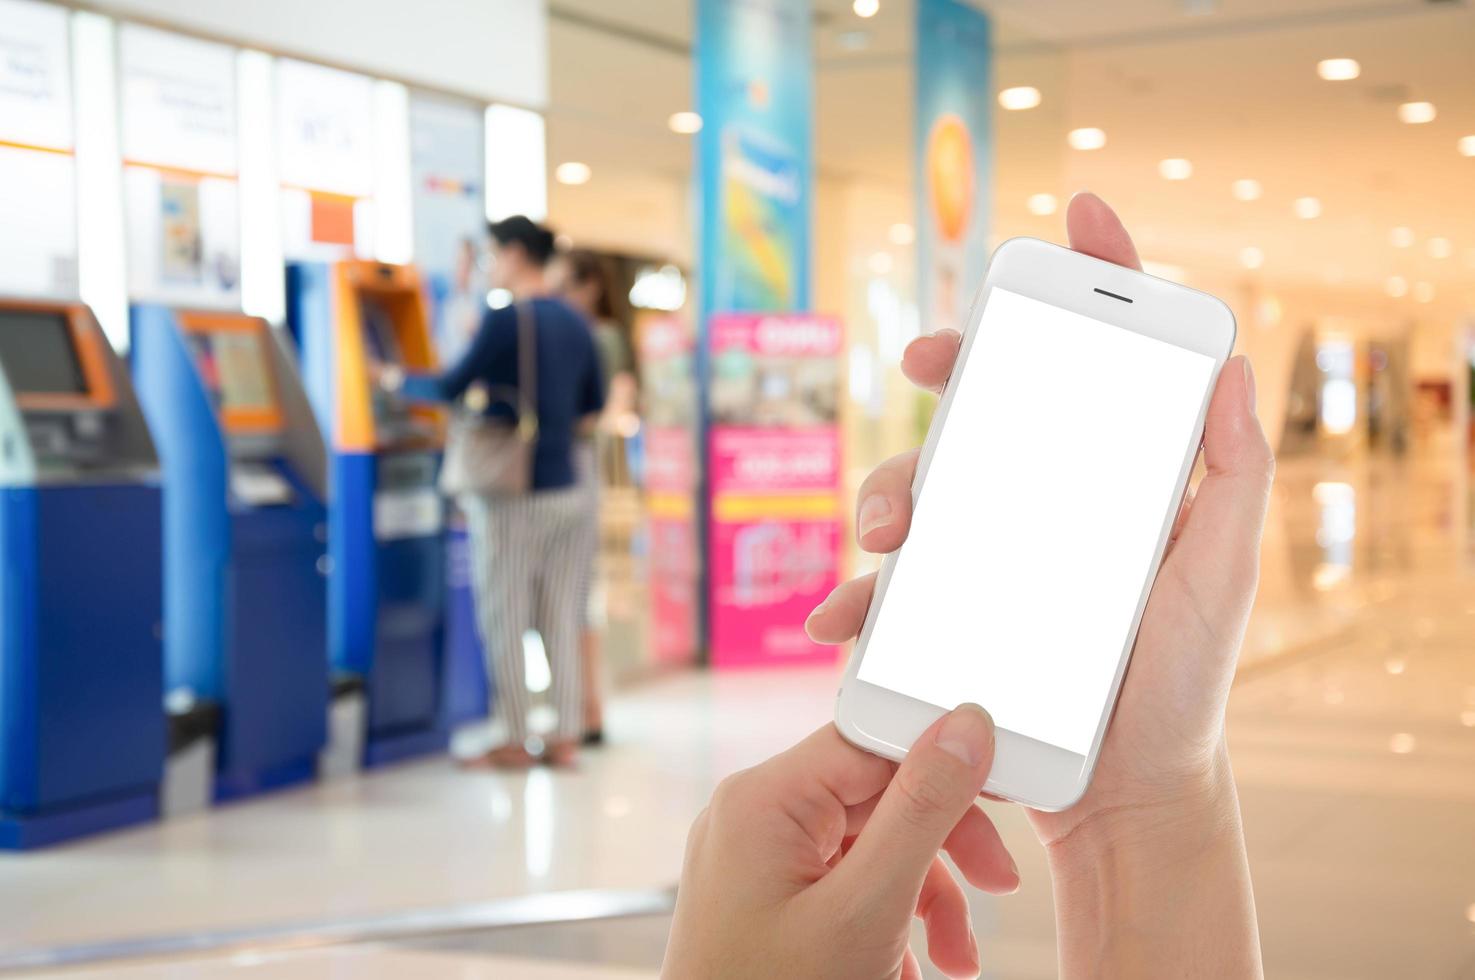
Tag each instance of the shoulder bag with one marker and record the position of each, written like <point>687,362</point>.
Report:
<point>494,456</point>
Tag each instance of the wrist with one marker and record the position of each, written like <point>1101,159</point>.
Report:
<point>1166,817</point>
<point>1146,887</point>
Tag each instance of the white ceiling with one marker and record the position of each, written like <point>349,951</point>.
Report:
<point>1234,90</point>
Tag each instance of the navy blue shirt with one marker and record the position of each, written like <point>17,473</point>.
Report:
<point>570,383</point>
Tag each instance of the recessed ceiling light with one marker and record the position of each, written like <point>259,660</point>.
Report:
<point>1467,146</point>
<point>1440,248</point>
<point>573,172</point>
<point>901,233</point>
<point>1251,257</point>
<point>1247,190</point>
<point>1402,743</point>
<point>1338,69</point>
<point>1401,237</point>
<point>1424,292</point>
<point>1417,112</point>
<point>1397,287</point>
<point>1019,97</point>
<point>1175,168</point>
<point>866,8</point>
<point>1042,204</point>
<point>1086,138</point>
<point>686,123</point>
<point>1306,207</point>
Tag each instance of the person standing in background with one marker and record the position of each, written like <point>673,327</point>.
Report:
<point>528,551</point>
<point>580,278</point>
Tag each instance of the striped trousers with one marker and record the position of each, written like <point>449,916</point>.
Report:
<point>529,558</point>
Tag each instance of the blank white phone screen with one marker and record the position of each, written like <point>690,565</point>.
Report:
<point>1038,520</point>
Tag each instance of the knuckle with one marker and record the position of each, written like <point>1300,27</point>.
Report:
<point>925,792</point>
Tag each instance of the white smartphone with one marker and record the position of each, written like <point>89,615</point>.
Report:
<point>1046,490</point>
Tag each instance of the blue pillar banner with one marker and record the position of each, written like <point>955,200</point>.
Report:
<point>755,94</point>
<point>954,158</point>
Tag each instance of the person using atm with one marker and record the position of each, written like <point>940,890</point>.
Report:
<point>529,551</point>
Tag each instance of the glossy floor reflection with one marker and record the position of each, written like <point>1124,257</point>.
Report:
<point>1352,728</point>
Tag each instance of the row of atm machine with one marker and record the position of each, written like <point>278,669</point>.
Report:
<point>232,540</point>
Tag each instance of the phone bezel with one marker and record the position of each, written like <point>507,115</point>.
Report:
<point>1025,770</point>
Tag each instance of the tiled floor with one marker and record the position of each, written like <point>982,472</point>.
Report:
<point>1352,729</point>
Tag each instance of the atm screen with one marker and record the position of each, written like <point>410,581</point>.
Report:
<point>232,364</point>
<point>245,379</point>
<point>379,337</point>
<point>37,353</point>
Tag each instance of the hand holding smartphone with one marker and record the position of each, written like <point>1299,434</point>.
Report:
<point>1044,497</point>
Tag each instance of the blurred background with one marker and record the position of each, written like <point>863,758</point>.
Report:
<point>216,216</point>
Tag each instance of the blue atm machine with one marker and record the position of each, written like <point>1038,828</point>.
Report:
<point>386,522</point>
<point>245,540</point>
<point>81,660</point>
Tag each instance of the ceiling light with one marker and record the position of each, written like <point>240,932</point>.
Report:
<point>1417,112</point>
<point>866,8</point>
<point>1424,292</point>
<point>901,233</point>
<point>1338,69</point>
<point>1175,168</point>
<point>1397,287</point>
<point>1440,248</point>
<point>880,263</point>
<point>1402,744</point>
<point>1467,146</point>
<point>1019,97</point>
<point>1088,138</point>
<point>1247,190</point>
<point>1395,665</point>
<point>1042,204</point>
<point>1401,237</point>
<point>573,172</point>
<point>1306,207</point>
<point>1251,257</point>
<point>685,122</point>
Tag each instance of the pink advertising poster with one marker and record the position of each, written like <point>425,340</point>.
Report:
<point>670,483</point>
<point>774,471</point>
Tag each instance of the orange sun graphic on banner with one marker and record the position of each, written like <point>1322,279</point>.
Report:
<point>950,176</point>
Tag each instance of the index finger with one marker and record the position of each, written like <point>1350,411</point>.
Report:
<point>813,785</point>
<point>1094,229</point>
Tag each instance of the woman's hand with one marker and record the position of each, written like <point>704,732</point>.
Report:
<point>814,863</point>
<point>1162,791</point>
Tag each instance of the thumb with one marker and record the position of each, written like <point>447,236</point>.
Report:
<point>931,791</point>
<point>1217,552</point>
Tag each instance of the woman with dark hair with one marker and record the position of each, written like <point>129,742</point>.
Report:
<point>528,550</point>
<point>580,277</point>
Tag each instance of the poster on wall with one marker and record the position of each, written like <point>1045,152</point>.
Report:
<point>954,120</point>
<point>38,193</point>
<point>667,373</point>
<point>446,149</point>
<point>774,474</point>
<point>325,160</point>
<point>755,95</point>
<point>178,133</point>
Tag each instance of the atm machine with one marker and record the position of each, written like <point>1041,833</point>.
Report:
<point>386,524</point>
<point>245,540</point>
<point>81,658</point>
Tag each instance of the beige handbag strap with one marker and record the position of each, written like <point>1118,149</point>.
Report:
<point>527,370</point>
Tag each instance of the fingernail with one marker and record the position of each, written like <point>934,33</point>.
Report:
<point>1249,383</point>
<point>967,735</point>
<point>875,512</point>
